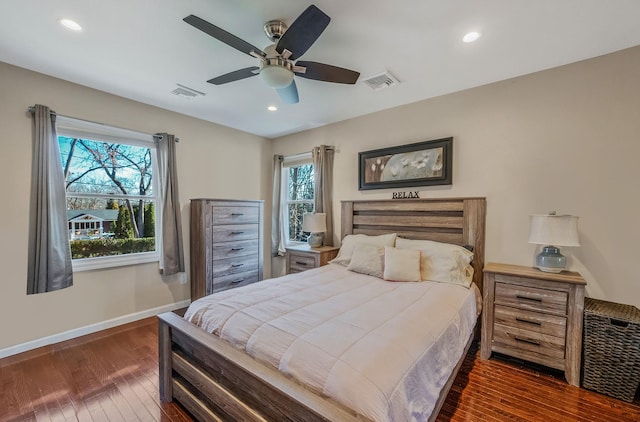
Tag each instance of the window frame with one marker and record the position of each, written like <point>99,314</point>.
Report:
<point>288,162</point>
<point>76,128</point>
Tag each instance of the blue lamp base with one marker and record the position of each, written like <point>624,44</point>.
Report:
<point>550,260</point>
<point>315,239</point>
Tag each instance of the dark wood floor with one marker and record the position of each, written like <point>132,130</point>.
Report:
<point>113,376</point>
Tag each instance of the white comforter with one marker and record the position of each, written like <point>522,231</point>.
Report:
<point>381,348</point>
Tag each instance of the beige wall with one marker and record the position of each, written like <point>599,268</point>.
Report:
<point>207,160</point>
<point>565,139</point>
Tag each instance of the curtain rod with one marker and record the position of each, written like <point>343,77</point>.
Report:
<point>32,109</point>
<point>304,154</point>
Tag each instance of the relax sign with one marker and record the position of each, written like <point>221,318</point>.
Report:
<point>406,195</point>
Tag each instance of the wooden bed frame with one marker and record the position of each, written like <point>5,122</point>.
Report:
<point>216,382</point>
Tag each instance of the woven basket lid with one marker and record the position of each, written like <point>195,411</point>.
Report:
<point>612,310</point>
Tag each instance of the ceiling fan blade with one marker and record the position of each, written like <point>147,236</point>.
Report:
<point>224,36</point>
<point>327,73</point>
<point>236,75</point>
<point>303,32</point>
<point>289,94</point>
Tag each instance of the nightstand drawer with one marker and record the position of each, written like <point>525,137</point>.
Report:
<point>531,298</point>
<point>529,345</point>
<point>531,321</point>
<point>299,262</point>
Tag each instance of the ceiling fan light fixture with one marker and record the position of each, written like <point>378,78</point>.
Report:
<point>471,36</point>
<point>70,24</point>
<point>276,76</point>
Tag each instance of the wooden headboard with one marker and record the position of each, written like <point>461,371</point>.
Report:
<point>460,221</point>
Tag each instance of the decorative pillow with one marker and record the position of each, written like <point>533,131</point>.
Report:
<point>401,264</point>
<point>367,259</point>
<point>443,262</point>
<point>349,242</point>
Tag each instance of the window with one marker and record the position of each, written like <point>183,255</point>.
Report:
<point>299,196</point>
<point>111,194</point>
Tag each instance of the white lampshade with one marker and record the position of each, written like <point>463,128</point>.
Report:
<point>276,76</point>
<point>314,222</point>
<point>556,230</point>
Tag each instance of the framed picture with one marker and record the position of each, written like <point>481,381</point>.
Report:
<point>421,164</point>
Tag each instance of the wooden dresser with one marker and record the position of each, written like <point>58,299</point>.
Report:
<point>226,244</point>
<point>535,316</point>
<point>303,257</point>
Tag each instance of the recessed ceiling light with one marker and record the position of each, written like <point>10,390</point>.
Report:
<point>70,24</point>
<point>272,108</point>
<point>471,36</point>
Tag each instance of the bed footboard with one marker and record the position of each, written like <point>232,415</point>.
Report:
<point>216,382</point>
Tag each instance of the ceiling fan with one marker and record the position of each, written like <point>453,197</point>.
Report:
<point>279,61</point>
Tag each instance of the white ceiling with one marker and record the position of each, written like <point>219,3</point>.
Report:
<point>140,49</point>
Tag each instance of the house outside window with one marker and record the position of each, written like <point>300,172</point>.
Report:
<point>111,194</point>
<point>299,194</point>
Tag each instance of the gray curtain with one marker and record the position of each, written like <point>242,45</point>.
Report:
<point>172,256</point>
<point>49,252</point>
<point>323,180</point>
<point>277,231</point>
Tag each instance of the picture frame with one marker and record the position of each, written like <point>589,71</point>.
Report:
<point>425,163</point>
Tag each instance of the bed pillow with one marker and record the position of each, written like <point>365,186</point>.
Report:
<point>401,264</point>
<point>442,262</point>
<point>367,259</point>
<point>349,242</point>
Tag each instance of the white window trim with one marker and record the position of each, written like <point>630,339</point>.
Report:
<point>70,127</point>
<point>287,162</point>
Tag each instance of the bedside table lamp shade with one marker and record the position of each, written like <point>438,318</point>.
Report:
<point>552,231</point>
<point>316,225</point>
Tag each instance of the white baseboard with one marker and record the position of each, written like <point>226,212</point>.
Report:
<point>89,329</point>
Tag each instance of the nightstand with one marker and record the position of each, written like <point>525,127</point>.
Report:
<point>535,316</point>
<point>303,257</point>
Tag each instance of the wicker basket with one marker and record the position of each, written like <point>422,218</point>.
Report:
<point>611,363</point>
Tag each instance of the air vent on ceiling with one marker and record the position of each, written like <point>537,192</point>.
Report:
<point>186,92</point>
<point>383,80</point>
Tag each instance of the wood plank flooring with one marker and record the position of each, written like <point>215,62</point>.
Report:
<point>114,377</point>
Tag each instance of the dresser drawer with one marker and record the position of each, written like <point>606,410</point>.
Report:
<point>221,267</point>
<point>222,250</point>
<point>531,298</point>
<point>235,215</point>
<point>234,280</point>
<point>530,321</point>
<point>235,232</point>
<point>300,262</point>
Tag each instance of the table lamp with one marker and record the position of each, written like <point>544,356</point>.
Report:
<point>316,225</point>
<point>552,231</point>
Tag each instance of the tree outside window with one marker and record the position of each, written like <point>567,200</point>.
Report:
<point>111,184</point>
<point>300,199</point>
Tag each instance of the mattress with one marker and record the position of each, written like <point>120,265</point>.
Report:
<point>383,349</point>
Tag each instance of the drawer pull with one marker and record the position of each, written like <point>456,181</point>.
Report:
<point>237,281</point>
<point>236,249</point>
<point>526,340</point>
<point>301,263</point>
<point>526,321</point>
<point>236,214</point>
<point>534,299</point>
<point>236,265</point>
<point>237,232</point>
